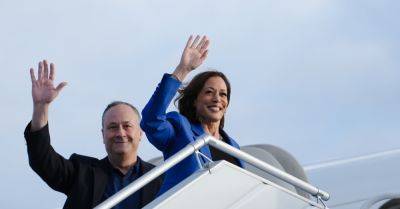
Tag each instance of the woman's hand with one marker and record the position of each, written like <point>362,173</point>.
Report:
<point>193,55</point>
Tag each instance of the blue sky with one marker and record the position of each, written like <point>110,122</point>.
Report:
<point>317,78</point>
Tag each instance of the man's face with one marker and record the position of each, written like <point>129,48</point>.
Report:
<point>121,130</point>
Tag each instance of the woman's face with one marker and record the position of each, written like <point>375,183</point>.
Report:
<point>212,101</point>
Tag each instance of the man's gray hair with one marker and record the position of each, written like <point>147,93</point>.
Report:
<point>115,103</point>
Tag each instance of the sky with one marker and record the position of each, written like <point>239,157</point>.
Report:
<point>316,78</point>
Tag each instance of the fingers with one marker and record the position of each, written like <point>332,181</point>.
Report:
<point>40,71</point>
<point>195,42</point>
<point>61,86</point>
<point>52,72</point>
<point>203,40</point>
<point>43,71</point>
<point>46,69</point>
<point>204,55</point>
<point>204,46</point>
<point>201,46</point>
<point>189,41</point>
<point>33,79</point>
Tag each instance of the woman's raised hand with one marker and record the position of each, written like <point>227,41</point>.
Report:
<point>193,55</point>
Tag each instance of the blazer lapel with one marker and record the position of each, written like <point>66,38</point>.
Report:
<point>233,143</point>
<point>149,191</point>
<point>229,140</point>
<point>198,131</point>
<point>100,181</point>
<point>144,190</point>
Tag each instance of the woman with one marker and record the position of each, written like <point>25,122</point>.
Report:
<point>202,106</point>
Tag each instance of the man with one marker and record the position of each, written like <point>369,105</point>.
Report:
<point>85,180</point>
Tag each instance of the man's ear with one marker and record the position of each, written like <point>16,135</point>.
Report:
<point>140,134</point>
<point>102,134</point>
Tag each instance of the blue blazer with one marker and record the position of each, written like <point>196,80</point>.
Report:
<point>171,132</point>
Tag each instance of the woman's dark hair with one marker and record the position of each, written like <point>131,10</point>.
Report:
<point>189,94</point>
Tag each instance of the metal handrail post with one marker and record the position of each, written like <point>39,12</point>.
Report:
<point>153,173</point>
<point>268,168</point>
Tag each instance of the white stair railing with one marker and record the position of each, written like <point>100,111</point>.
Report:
<point>194,147</point>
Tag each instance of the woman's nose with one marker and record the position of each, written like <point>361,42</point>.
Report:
<point>216,98</point>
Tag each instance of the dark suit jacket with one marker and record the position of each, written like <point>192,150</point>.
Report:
<point>83,179</point>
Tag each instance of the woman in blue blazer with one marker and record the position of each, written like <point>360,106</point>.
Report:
<point>202,105</point>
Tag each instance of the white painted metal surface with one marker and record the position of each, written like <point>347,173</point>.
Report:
<point>227,186</point>
<point>354,181</point>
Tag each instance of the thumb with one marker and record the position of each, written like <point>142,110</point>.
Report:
<point>204,55</point>
<point>61,86</point>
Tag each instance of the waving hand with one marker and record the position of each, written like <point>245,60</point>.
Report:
<point>43,93</point>
<point>193,55</point>
<point>43,90</point>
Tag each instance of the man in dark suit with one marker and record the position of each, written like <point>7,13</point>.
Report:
<point>85,180</point>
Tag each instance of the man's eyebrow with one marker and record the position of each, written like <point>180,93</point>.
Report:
<point>123,122</point>
<point>112,123</point>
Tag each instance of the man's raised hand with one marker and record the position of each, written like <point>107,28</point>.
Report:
<point>43,89</point>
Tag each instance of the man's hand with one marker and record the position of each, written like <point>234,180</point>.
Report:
<point>193,55</point>
<point>43,93</point>
<point>43,90</point>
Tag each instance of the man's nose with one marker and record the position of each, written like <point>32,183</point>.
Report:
<point>120,131</point>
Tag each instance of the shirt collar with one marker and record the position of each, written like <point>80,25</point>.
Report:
<point>133,170</point>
